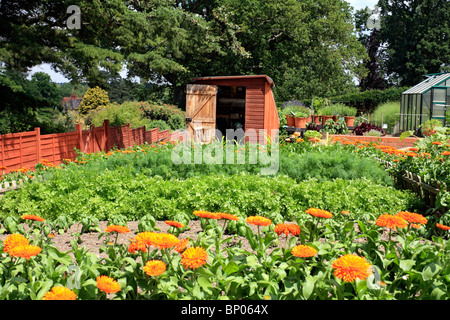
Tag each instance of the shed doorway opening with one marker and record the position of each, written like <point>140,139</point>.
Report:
<point>230,108</point>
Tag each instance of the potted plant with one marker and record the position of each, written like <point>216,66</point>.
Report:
<point>300,120</point>
<point>317,119</point>
<point>332,127</point>
<point>428,128</point>
<point>293,109</point>
<point>289,120</point>
<point>349,114</point>
<point>326,113</point>
<point>312,135</point>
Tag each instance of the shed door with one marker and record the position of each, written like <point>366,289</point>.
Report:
<point>201,112</point>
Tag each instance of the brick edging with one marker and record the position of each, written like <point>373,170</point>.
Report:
<point>387,141</point>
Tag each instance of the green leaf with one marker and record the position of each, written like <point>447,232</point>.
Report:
<point>46,286</point>
<point>231,267</point>
<point>430,271</point>
<point>308,286</point>
<point>439,293</point>
<point>206,285</point>
<point>61,257</point>
<point>406,265</point>
<point>405,134</point>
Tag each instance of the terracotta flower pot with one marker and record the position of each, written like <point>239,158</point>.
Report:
<point>300,122</point>
<point>317,119</point>
<point>325,118</point>
<point>428,132</point>
<point>349,121</point>
<point>290,120</point>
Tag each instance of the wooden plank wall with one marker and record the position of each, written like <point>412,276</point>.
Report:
<point>26,149</point>
<point>260,107</point>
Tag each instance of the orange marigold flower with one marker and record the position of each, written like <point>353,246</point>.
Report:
<point>24,251</point>
<point>443,227</point>
<point>391,221</point>
<point>319,213</point>
<point>424,155</point>
<point>228,216</point>
<point>154,268</point>
<point>413,217</point>
<point>60,293</point>
<point>136,246</point>
<point>175,224</point>
<point>206,214</point>
<point>287,228</point>
<point>294,229</point>
<point>194,257</point>
<point>32,217</point>
<point>159,240</point>
<point>411,154</point>
<point>281,228</point>
<point>303,251</point>
<point>437,143</point>
<point>413,149</point>
<point>118,229</point>
<point>259,221</point>
<point>107,284</point>
<point>446,153</point>
<point>345,212</point>
<point>351,267</point>
<point>182,245</point>
<point>14,240</point>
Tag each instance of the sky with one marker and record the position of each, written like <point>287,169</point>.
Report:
<point>59,78</point>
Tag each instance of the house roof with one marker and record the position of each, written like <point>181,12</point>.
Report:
<point>267,78</point>
<point>427,84</point>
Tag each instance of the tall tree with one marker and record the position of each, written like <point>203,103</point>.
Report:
<point>308,47</point>
<point>417,34</point>
<point>369,36</point>
<point>147,37</point>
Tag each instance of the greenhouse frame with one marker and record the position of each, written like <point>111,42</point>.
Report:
<point>427,100</point>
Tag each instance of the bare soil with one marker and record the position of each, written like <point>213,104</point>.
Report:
<point>94,240</point>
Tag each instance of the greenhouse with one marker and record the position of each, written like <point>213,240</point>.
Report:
<point>427,100</point>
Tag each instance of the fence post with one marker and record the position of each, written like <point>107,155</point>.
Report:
<point>79,132</point>
<point>130,136</point>
<point>3,152</point>
<point>106,134</point>
<point>38,143</point>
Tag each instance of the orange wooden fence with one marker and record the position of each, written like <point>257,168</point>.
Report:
<point>26,149</point>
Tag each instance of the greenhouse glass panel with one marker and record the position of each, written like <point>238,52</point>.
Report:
<point>426,106</point>
<point>439,95</point>
<point>414,110</point>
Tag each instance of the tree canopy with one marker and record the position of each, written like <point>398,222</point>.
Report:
<point>416,36</point>
<point>307,47</point>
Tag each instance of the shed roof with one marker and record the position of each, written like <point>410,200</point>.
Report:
<point>428,83</point>
<point>267,78</point>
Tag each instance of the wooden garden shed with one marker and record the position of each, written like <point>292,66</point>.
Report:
<point>230,102</point>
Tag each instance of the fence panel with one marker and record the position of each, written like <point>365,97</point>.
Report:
<point>26,149</point>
